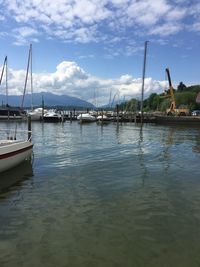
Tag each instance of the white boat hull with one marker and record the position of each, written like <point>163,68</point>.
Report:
<point>36,117</point>
<point>13,153</point>
<point>86,118</point>
<point>37,114</point>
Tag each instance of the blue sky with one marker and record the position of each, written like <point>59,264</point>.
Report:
<point>91,48</point>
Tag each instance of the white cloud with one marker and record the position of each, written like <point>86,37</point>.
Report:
<point>26,31</point>
<point>148,12</point>
<point>86,21</point>
<point>71,79</point>
<point>2,17</point>
<point>195,27</point>
<point>24,35</point>
<point>165,29</point>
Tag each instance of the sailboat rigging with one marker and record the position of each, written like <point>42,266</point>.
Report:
<point>6,111</point>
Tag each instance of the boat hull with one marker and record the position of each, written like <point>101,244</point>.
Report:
<point>86,118</point>
<point>53,119</point>
<point>13,153</point>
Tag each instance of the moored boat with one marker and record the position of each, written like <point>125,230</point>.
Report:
<point>6,111</point>
<point>14,152</point>
<point>86,117</point>
<point>12,113</point>
<point>37,114</point>
<point>53,116</point>
<point>103,119</point>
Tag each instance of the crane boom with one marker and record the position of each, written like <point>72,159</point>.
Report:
<point>171,89</point>
<point>173,110</point>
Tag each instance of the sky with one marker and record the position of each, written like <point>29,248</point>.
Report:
<point>94,49</point>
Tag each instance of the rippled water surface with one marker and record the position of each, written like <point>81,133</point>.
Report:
<point>112,195</point>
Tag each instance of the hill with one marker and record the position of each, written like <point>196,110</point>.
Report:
<point>184,97</point>
<point>50,100</point>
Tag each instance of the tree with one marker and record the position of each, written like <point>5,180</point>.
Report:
<point>181,87</point>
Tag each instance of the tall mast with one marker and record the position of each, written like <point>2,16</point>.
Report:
<point>27,70</point>
<point>2,72</point>
<point>31,66</point>
<point>143,77</point>
<point>6,81</point>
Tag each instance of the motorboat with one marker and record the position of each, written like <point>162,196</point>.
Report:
<point>37,114</point>
<point>103,119</point>
<point>86,117</point>
<point>53,116</point>
<point>13,151</point>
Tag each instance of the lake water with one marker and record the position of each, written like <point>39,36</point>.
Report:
<point>107,196</point>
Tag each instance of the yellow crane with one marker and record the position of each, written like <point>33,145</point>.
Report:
<point>173,110</point>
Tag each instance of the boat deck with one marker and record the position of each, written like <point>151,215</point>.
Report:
<point>7,142</point>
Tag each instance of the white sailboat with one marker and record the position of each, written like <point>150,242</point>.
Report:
<point>12,150</point>
<point>37,113</point>
<point>6,111</point>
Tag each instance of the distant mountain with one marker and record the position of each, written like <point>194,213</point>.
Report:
<point>50,100</point>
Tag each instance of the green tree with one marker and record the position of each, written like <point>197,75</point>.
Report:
<point>181,87</point>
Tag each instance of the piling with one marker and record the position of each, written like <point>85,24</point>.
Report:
<point>70,116</point>
<point>29,128</point>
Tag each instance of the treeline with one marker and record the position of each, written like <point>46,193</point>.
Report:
<point>184,97</point>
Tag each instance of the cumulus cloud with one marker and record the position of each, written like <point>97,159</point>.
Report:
<point>70,79</point>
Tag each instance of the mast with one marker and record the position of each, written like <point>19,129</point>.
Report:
<point>143,77</point>
<point>6,81</point>
<point>5,64</point>
<point>27,71</point>
<point>2,72</point>
<point>31,76</point>
<point>110,98</point>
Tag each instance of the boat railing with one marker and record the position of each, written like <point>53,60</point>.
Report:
<point>15,134</point>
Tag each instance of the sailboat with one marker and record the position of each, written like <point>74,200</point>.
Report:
<point>14,151</point>
<point>37,113</point>
<point>6,111</point>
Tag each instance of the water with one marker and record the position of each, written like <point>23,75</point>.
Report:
<point>103,196</point>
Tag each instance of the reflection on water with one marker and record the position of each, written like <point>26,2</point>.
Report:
<point>16,176</point>
<point>113,195</point>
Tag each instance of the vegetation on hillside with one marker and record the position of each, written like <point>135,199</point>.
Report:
<point>184,96</point>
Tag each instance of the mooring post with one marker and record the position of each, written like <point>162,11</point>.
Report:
<point>70,116</point>
<point>29,128</point>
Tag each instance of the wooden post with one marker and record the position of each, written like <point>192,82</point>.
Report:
<point>29,128</point>
<point>70,116</point>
